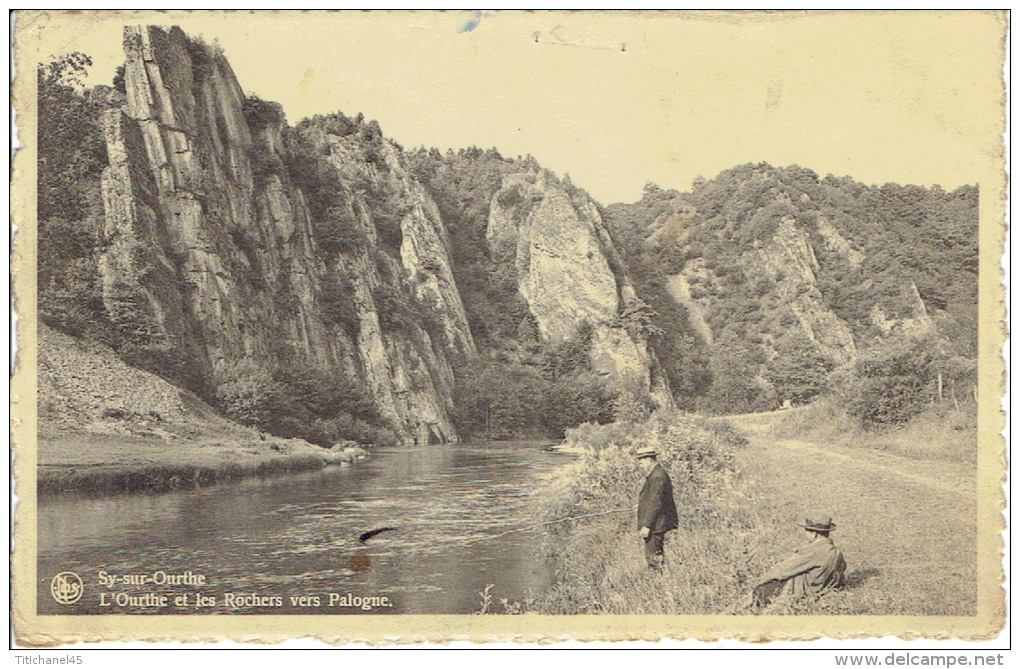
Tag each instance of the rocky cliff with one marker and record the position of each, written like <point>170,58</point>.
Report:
<point>321,282</point>
<point>231,237</point>
<point>786,269</point>
<point>784,277</point>
<point>569,273</point>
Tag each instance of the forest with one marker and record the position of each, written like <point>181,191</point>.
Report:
<point>759,288</point>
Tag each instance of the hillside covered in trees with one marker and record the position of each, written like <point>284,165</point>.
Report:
<point>786,285</point>
<point>320,281</point>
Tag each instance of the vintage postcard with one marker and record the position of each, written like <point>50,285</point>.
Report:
<point>508,326</point>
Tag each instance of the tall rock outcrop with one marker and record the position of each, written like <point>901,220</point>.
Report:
<point>788,262</point>
<point>227,239</point>
<point>784,276</point>
<point>569,273</point>
<point>780,273</point>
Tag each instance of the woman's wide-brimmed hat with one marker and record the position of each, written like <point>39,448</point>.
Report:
<point>822,524</point>
<point>646,452</point>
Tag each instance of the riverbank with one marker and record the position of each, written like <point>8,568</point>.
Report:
<point>740,485</point>
<point>108,428</point>
<point>599,562</point>
<point>102,464</point>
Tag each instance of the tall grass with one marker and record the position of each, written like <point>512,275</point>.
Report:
<point>711,559</point>
<point>731,532</point>
<point>941,432</point>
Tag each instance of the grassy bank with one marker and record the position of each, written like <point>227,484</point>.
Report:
<point>943,432</point>
<point>710,559</point>
<point>99,464</point>
<point>737,500</point>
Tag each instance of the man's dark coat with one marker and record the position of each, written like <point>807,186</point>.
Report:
<point>656,508</point>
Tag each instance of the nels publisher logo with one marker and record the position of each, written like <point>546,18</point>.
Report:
<point>66,587</point>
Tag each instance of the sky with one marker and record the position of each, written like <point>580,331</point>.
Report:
<point>619,99</point>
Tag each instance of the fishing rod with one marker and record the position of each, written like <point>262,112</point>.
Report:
<point>549,522</point>
<point>368,535</point>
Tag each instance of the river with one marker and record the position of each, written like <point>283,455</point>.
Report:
<point>261,545</point>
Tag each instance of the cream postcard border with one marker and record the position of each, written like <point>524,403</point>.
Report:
<point>34,630</point>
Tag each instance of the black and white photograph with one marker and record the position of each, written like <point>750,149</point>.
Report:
<point>547,323</point>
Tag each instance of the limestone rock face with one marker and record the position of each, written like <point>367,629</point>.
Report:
<point>838,243</point>
<point>789,260</point>
<point>569,273</point>
<point>410,371</point>
<point>557,252</point>
<point>916,322</point>
<point>786,262</point>
<point>211,252</point>
<point>680,291</point>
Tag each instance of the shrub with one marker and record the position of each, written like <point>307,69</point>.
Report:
<point>738,384</point>
<point>576,398</point>
<point>389,307</point>
<point>260,114</point>
<point>246,391</point>
<point>631,408</point>
<point>298,401</point>
<point>387,210</point>
<point>510,399</point>
<point>511,197</point>
<point>71,298</point>
<point>264,163</point>
<point>203,57</point>
<point>338,124</point>
<point>798,371</point>
<point>72,152</point>
<point>498,400</point>
<point>338,232</point>
<point>343,426</point>
<point>889,386</point>
<point>699,458</point>
<point>638,319</point>
<point>568,356</point>
<point>317,179</point>
<point>597,563</point>
<point>119,82</point>
<point>166,360</point>
<point>420,166</point>
<point>388,227</point>
<point>285,298</point>
<point>336,296</point>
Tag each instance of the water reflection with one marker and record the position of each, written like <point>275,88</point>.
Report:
<point>298,535</point>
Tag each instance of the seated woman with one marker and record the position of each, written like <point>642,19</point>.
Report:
<point>813,569</point>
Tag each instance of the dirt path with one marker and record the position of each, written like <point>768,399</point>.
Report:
<point>907,527</point>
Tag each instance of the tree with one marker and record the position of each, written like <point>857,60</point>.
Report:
<point>893,383</point>
<point>737,382</point>
<point>798,370</point>
<point>247,391</point>
<point>72,155</point>
<point>72,152</point>
<point>298,401</point>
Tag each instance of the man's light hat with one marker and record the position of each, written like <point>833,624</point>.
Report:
<point>646,452</point>
<point>823,524</point>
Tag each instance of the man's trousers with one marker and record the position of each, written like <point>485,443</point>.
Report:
<point>654,544</point>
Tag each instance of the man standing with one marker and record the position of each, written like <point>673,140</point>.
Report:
<point>813,569</point>
<point>656,508</point>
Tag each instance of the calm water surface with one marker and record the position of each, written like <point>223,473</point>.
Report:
<point>297,536</point>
